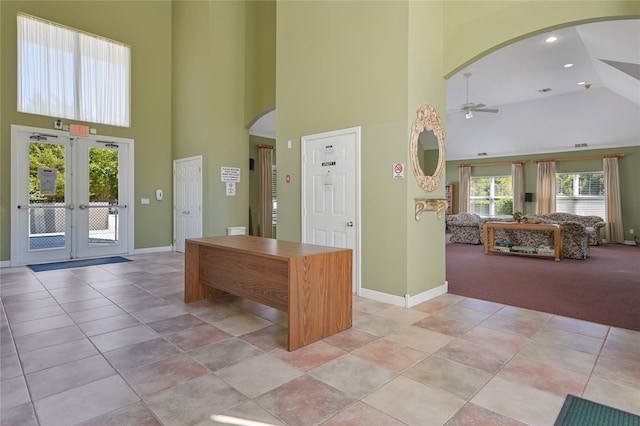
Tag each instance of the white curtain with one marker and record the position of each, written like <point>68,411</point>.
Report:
<point>517,182</point>
<point>613,228</point>
<point>104,81</point>
<point>265,196</point>
<point>65,73</point>
<point>465,188</point>
<point>546,187</point>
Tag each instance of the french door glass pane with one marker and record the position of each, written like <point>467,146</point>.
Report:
<point>103,196</point>
<point>46,196</point>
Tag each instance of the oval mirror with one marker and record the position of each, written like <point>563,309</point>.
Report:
<point>427,143</point>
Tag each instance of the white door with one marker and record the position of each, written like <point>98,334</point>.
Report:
<point>331,192</point>
<point>70,197</point>
<point>102,197</point>
<point>187,205</point>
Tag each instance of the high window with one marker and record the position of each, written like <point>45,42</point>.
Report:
<point>66,73</point>
<point>491,195</point>
<point>581,193</point>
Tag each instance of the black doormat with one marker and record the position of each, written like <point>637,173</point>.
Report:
<point>77,263</point>
<point>577,411</point>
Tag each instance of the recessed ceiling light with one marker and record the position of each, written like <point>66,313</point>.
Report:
<point>551,39</point>
<point>582,83</point>
<point>568,65</point>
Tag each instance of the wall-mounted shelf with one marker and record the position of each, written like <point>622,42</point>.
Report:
<point>430,205</point>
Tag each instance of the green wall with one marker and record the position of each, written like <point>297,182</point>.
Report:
<point>198,81</point>
<point>208,87</point>
<point>629,169</point>
<point>261,59</point>
<point>495,24</point>
<point>339,65</point>
<point>146,27</point>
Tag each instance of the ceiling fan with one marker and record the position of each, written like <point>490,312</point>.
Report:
<point>470,108</point>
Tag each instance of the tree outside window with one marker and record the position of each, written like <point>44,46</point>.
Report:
<point>491,195</point>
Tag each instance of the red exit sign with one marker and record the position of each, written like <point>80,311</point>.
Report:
<point>78,130</point>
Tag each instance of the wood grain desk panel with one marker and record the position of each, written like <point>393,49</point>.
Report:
<point>311,283</point>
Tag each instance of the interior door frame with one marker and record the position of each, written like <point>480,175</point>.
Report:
<point>357,286</point>
<point>130,210</point>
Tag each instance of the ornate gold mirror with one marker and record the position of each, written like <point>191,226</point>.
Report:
<point>428,120</point>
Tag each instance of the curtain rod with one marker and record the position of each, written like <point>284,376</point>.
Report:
<point>585,157</point>
<point>265,146</point>
<point>495,163</point>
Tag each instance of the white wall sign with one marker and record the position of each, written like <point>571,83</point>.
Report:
<point>398,171</point>
<point>48,178</point>
<point>229,174</point>
<point>231,189</point>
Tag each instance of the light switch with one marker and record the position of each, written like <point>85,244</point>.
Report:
<point>144,201</point>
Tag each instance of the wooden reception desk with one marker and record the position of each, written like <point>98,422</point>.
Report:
<point>311,283</point>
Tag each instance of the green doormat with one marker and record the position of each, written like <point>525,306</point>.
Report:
<point>577,411</point>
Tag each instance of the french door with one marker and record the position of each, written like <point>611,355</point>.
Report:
<point>71,196</point>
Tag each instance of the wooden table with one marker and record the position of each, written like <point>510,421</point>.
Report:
<point>557,230</point>
<point>311,283</point>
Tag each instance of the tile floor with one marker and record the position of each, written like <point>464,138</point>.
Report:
<point>116,345</point>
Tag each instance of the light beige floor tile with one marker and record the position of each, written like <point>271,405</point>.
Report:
<point>354,376</point>
<point>580,342</point>
<point>560,356</point>
<point>420,338</point>
<point>244,413</point>
<point>525,404</point>
<point>414,403</point>
<point>403,315</point>
<point>458,379</point>
<point>184,404</point>
<point>85,402</point>
<point>242,324</point>
<point>258,374</point>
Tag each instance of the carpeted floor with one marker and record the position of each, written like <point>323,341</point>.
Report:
<point>604,288</point>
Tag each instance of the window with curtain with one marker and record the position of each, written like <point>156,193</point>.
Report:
<point>491,195</point>
<point>66,73</point>
<point>581,193</point>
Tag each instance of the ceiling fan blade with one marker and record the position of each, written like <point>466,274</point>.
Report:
<point>476,106</point>
<point>487,110</point>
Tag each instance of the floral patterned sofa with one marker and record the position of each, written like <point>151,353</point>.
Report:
<point>466,228</point>
<point>592,224</point>
<point>574,244</point>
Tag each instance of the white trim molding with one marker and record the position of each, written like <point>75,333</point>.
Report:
<point>407,301</point>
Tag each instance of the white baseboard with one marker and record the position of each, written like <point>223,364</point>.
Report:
<point>150,250</point>
<point>408,301</point>
<point>5,264</point>
<point>630,243</point>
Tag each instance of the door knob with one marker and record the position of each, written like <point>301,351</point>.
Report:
<point>350,224</point>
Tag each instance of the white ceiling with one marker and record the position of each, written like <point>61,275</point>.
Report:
<point>606,115</point>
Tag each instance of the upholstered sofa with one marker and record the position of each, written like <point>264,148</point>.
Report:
<point>466,228</point>
<point>574,244</point>
<point>592,224</point>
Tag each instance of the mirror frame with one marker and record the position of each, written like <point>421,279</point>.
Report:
<point>428,120</point>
